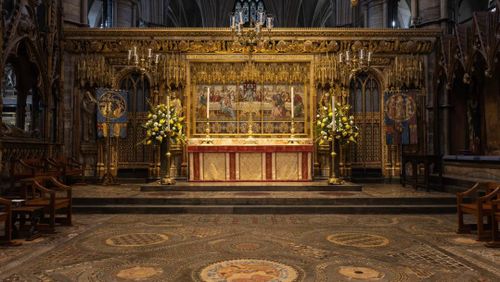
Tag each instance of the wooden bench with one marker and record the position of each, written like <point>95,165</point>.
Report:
<point>480,208</point>
<point>495,218</point>
<point>6,218</point>
<point>45,192</point>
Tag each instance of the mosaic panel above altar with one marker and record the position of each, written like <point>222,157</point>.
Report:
<point>267,108</point>
<point>250,96</point>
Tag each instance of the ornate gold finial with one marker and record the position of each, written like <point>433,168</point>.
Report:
<point>354,3</point>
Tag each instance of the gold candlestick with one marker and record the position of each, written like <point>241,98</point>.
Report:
<point>167,179</point>
<point>292,139</point>
<point>333,180</point>
<point>208,139</point>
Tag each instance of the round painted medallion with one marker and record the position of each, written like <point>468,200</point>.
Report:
<point>360,273</point>
<point>139,273</point>
<point>248,270</point>
<point>357,239</point>
<point>400,107</point>
<point>136,239</point>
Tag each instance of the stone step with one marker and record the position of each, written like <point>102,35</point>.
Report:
<point>250,187</point>
<point>265,209</point>
<point>266,200</point>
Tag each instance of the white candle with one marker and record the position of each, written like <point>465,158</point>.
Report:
<point>261,18</point>
<point>135,51</point>
<point>150,53</point>
<point>233,21</point>
<point>333,112</point>
<point>129,55</point>
<point>208,103</point>
<point>157,60</point>
<point>292,103</point>
<point>241,17</point>
<point>168,113</point>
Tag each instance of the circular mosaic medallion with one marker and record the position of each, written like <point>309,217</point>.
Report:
<point>359,240</point>
<point>246,246</point>
<point>139,273</point>
<point>360,273</point>
<point>248,270</point>
<point>136,239</point>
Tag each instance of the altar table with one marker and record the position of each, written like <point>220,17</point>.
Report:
<point>250,162</point>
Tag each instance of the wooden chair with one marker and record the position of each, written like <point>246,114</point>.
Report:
<point>6,217</point>
<point>495,218</point>
<point>480,207</point>
<point>25,168</point>
<point>68,167</point>
<point>46,192</point>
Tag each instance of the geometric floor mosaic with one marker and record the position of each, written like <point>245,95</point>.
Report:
<point>239,248</point>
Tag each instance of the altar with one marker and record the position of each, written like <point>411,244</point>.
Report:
<point>259,160</point>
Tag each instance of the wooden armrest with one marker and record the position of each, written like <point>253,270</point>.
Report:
<point>41,188</point>
<point>490,195</point>
<point>23,163</point>
<point>53,162</point>
<point>5,202</point>
<point>470,191</point>
<point>58,184</point>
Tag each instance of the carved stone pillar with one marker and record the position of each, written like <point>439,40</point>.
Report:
<point>444,12</point>
<point>414,12</point>
<point>385,12</point>
<point>446,120</point>
<point>365,16</point>
<point>84,9</point>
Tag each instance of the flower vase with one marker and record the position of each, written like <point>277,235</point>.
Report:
<point>165,156</point>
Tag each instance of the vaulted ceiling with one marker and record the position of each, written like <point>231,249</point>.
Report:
<point>215,13</point>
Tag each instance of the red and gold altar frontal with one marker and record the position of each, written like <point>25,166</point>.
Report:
<point>263,160</point>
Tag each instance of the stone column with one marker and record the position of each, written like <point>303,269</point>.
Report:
<point>84,10</point>
<point>115,12</point>
<point>414,12</point>
<point>446,119</point>
<point>385,12</point>
<point>444,12</point>
<point>365,16</point>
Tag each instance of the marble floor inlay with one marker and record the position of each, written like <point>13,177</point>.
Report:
<point>253,248</point>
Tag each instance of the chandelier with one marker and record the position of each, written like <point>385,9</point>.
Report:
<point>338,68</point>
<point>250,34</point>
<point>405,73</point>
<point>146,62</point>
<point>355,61</point>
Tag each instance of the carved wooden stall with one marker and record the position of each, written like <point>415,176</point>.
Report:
<point>465,107</point>
<point>31,100</point>
<point>199,58</point>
